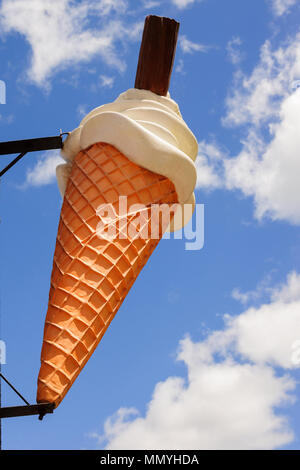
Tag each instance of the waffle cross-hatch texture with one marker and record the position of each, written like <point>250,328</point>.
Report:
<point>91,275</point>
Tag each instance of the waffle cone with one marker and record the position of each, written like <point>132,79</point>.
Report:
<point>92,275</point>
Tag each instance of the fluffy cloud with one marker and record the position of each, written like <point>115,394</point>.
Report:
<point>268,101</point>
<point>279,7</point>
<point>271,176</point>
<point>266,334</point>
<point>262,290</point>
<point>289,292</point>
<point>150,3</point>
<point>60,34</point>
<point>266,106</point>
<point>181,4</point>
<point>282,6</point>
<point>234,50</point>
<point>44,171</point>
<point>256,98</point>
<point>107,81</point>
<point>231,396</point>
<point>188,47</point>
<point>222,406</point>
<point>209,166</point>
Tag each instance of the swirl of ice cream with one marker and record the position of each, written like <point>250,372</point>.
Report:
<point>150,131</point>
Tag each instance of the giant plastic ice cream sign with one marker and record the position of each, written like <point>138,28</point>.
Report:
<point>137,149</point>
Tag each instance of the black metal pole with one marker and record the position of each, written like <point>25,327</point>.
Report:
<point>22,147</point>
<point>31,145</point>
<point>40,409</point>
<point>12,163</point>
<point>14,389</point>
<point>1,359</point>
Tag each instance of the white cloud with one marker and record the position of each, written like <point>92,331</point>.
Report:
<point>81,110</point>
<point>222,406</point>
<point>180,67</point>
<point>224,403</point>
<point>243,297</point>
<point>256,99</point>
<point>44,171</point>
<point>264,334</point>
<point>234,50</point>
<point>60,34</point>
<point>289,292</point>
<point>107,6</point>
<point>107,81</point>
<point>181,4</point>
<point>282,6</point>
<point>262,289</point>
<point>266,106</point>
<point>208,164</point>
<point>269,172</point>
<point>188,47</point>
<point>150,3</point>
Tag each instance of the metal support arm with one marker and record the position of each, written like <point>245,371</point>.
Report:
<point>22,147</point>
<point>28,145</point>
<point>14,411</point>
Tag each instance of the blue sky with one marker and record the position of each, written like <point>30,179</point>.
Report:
<point>210,360</point>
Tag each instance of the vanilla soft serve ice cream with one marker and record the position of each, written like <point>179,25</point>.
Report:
<point>150,131</point>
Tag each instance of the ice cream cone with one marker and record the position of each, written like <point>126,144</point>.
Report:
<point>92,275</point>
